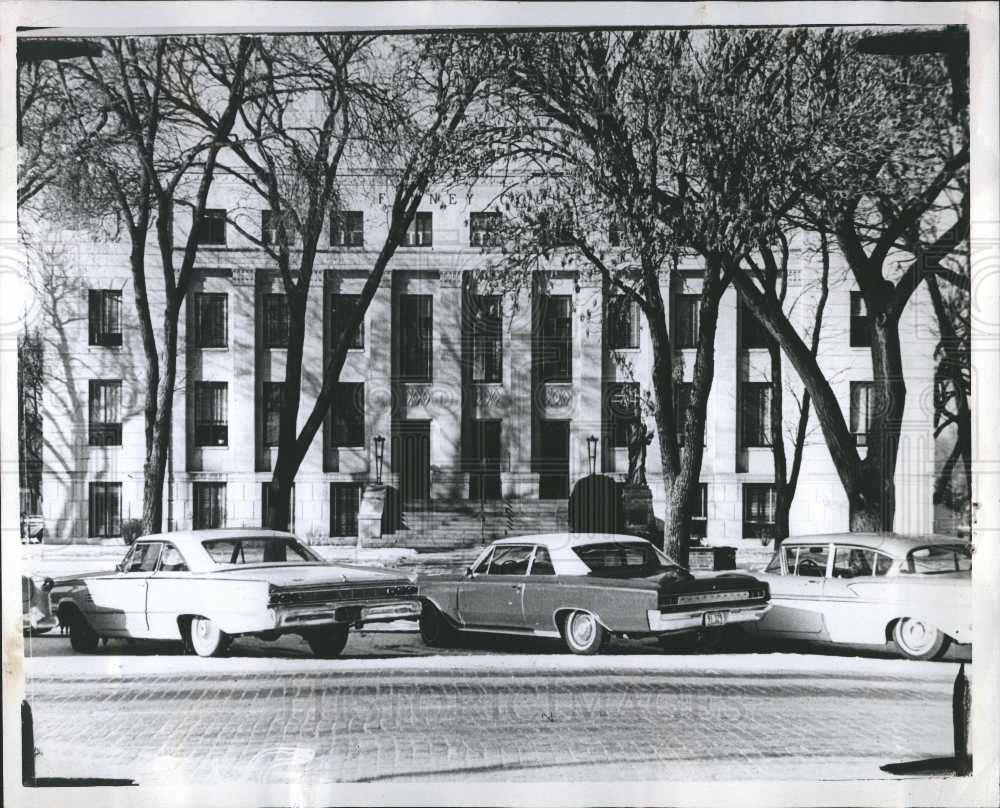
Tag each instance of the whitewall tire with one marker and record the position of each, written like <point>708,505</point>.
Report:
<point>583,633</point>
<point>206,638</point>
<point>916,639</point>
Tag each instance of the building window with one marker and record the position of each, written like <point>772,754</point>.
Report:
<point>420,233</point>
<point>752,331</point>
<point>556,347</point>
<point>105,510</point>
<point>105,412</point>
<point>759,504</point>
<point>555,229</point>
<point>275,320</point>
<point>862,399</point>
<point>209,505</point>
<point>211,325</point>
<point>623,322</point>
<point>105,317</point>
<point>487,340</point>
<point>347,425</point>
<point>211,420</point>
<point>416,348</point>
<point>682,398</point>
<point>347,228</point>
<point>274,401</point>
<point>269,227</point>
<point>699,512</point>
<point>860,336</point>
<point>686,321</point>
<point>345,499</point>
<point>756,406</point>
<point>623,411</point>
<point>211,227</point>
<point>341,308</point>
<point>484,229</point>
<point>265,499</point>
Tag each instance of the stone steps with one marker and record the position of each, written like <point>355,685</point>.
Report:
<point>464,523</point>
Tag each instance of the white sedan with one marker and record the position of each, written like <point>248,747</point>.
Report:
<point>206,587</point>
<point>870,589</point>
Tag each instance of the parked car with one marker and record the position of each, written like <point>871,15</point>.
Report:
<point>870,589</point>
<point>583,587</point>
<point>35,605</point>
<point>206,587</point>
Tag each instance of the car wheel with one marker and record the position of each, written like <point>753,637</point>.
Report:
<point>435,630</point>
<point>82,637</point>
<point>206,638</point>
<point>582,633</point>
<point>328,642</point>
<point>918,640</point>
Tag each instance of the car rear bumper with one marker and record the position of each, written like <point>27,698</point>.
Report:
<point>666,622</point>
<point>38,621</point>
<point>292,617</point>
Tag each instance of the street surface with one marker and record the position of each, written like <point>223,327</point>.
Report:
<point>491,709</point>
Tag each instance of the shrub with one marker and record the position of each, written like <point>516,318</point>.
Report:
<point>131,530</point>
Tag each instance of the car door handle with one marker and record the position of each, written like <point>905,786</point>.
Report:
<point>517,586</point>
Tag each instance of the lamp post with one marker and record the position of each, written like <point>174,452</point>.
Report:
<point>592,453</point>
<point>379,457</point>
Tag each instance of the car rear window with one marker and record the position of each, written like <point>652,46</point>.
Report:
<point>615,556</point>
<point>257,550</point>
<point>939,558</point>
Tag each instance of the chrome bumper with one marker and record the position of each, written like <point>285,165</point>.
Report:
<point>661,622</point>
<point>288,617</point>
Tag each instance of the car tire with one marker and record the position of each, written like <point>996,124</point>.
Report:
<point>583,633</point>
<point>435,630</point>
<point>82,637</point>
<point>328,642</point>
<point>916,639</point>
<point>206,638</point>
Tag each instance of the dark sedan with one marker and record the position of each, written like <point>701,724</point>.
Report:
<point>583,587</point>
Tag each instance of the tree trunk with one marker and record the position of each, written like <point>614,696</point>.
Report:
<point>677,525</point>
<point>666,428</point>
<point>872,498</point>
<point>279,511</point>
<point>158,436</point>
<point>279,498</point>
<point>782,492</point>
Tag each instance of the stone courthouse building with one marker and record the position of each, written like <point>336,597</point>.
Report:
<point>489,404</point>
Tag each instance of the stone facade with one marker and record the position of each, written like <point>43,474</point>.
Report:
<point>433,423</point>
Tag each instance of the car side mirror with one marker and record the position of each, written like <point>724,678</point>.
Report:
<point>469,573</point>
<point>120,566</point>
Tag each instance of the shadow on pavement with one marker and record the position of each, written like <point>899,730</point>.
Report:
<point>931,767</point>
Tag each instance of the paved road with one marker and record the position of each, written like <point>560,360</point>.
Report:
<point>390,709</point>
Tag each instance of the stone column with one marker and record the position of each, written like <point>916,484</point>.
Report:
<point>588,372</point>
<point>378,384</point>
<point>723,456</point>
<point>241,460</point>
<point>447,479</point>
<point>517,478</point>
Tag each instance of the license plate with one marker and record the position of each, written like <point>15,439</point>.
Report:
<point>715,618</point>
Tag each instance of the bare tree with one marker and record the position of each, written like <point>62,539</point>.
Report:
<point>402,110</point>
<point>881,182</point>
<point>137,160</point>
<point>772,275</point>
<point>677,135</point>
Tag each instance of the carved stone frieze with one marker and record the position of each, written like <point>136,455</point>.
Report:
<point>558,396</point>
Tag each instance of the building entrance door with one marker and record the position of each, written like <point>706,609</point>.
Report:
<point>411,460</point>
<point>484,456</point>
<point>553,460</point>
